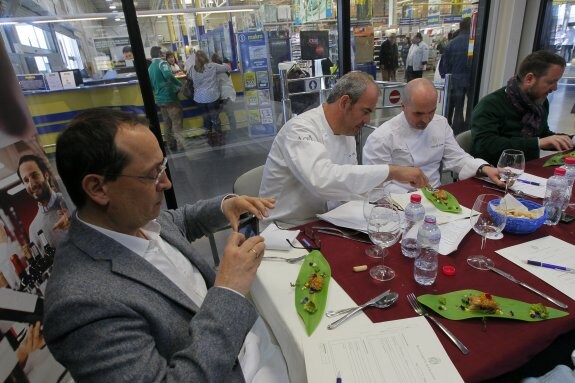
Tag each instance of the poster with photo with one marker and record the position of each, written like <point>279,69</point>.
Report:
<point>256,78</point>
<point>34,218</point>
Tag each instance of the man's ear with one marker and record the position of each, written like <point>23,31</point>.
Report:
<point>95,188</point>
<point>529,79</point>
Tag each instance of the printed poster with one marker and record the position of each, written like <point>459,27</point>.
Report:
<point>34,217</point>
<point>256,78</point>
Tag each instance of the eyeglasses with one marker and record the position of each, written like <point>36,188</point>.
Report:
<point>156,178</point>
<point>310,243</point>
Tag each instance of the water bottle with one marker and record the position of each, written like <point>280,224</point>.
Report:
<point>569,174</point>
<point>425,265</point>
<point>555,196</point>
<point>414,213</point>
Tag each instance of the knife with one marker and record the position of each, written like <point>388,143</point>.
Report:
<point>358,308</point>
<point>343,236</point>
<point>518,193</point>
<point>513,279</point>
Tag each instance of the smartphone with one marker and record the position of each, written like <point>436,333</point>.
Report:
<point>249,226</point>
<point>566,218</point>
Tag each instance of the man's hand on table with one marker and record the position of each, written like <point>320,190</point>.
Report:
<point>493,174</point>
<point>240,262</point>
<point>235,206</point>
<point>557,142</point>
<point>404,174</point>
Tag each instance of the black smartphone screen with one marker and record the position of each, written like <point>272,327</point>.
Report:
<point>249,226</point>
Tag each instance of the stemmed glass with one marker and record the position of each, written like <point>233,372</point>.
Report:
<point>488,217</point>
<point>384,229</point>
<point>511,165</point>
<point>374,198</point>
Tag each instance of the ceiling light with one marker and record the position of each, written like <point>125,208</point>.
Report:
<point>112,6</point>
<point>67,20</point>
<point>117,19</point>
<point>9,181</point>
<point>16,189</point>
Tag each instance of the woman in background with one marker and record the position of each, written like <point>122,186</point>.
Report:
<point>171,59</point>
<point>207,95</point>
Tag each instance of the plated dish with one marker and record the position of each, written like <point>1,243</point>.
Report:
<point>442,200</point>
<point>465,304</point>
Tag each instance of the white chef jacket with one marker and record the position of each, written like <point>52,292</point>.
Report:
<point>418,54</point>
<point>309,169</point>
<point>397,143</point>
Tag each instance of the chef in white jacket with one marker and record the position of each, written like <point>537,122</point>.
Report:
<point>312,165</point>
<point>419,137</point>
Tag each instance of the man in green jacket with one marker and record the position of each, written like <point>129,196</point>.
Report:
<point>166,88</point>
<point>515,116</point>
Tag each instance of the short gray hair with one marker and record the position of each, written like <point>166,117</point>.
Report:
<point>352,84</point>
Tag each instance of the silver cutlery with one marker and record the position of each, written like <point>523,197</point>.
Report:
<point>288,260</point>
<point>358,308</point>
<point>518,193</point>
<point>330,232</point>
<point>421,311</point>
<point>338,230</point>
<point>384,302</point>
<point>540,293</point>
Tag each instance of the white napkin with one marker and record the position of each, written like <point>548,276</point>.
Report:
<point>275,238</point>
<point>513,204</point>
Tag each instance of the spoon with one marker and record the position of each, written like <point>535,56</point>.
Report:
<point>384,302</point>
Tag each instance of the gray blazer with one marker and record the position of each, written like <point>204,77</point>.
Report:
<point>110,316</point>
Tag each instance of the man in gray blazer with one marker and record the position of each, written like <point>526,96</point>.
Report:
<point>129,300</point>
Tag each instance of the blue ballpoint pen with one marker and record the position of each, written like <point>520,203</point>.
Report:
<point>338,379</point>
<point>550,266</point>
<point>529,182</point>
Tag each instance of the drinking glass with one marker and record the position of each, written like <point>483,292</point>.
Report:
<point>374,198</point>
<point>384,229</point>
<point>511,165</point>
<point>488,217</point>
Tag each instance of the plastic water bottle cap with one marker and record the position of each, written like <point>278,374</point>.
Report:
<point>448,270</point>
<point>416,198</point>
<point>570,160</point>
<point>560,172</point>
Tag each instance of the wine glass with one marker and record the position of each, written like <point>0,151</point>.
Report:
<point>511,165</point>
<point>488,217</point>
<point>372,199</point>
<point>384,229</point>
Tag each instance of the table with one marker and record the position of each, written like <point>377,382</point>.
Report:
<point>516,341</point>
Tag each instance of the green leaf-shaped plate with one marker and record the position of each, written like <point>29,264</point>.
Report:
<point>511,308</point>
<point>449,205</point>
<point>314,262</point>
<point>558,159</point>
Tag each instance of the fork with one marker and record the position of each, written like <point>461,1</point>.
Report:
<point>335,229</point>
<point>431,189</point>
<point>421,311</point>
<point>288,260</point>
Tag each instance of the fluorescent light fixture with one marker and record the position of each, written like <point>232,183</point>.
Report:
<point>16,189</point>
<point>112,6</point>
<point>8,23</point>
<point>117,19</point>
<point>67,20</point>
<point>9,181</point>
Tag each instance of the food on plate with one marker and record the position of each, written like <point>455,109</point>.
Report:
<point>537,310</point>
<point>440,195</point>
<point>310,306</point>
<point>315,282</point>
<point>483,303</point>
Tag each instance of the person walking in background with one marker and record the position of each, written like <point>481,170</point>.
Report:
<point>416,58</point>
<point>404,52</point>
<point>567,44</point>
<point>227,91</point>
<point>455,62</point>
<point>388,58</point>
<point>207,95</point>
<point>166,88</point>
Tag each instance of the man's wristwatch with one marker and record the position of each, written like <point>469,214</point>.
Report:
<point>480,170</point>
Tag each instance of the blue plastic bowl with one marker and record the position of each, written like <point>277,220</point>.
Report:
<point>522,225</point>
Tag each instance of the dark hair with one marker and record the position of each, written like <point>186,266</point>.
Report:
<point>539,63</point>
<point>87,146</point>
<point>418,35</point>
<point>38,160</point>
<point>217,59</point>
<point>353,84</point>
<point>170,53</point>
<point>202,60</point>
<point>126,49</point>
<point>465,24</point>
<point>156,52</point>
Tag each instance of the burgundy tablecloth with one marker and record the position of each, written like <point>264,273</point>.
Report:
<point>500,346</point>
